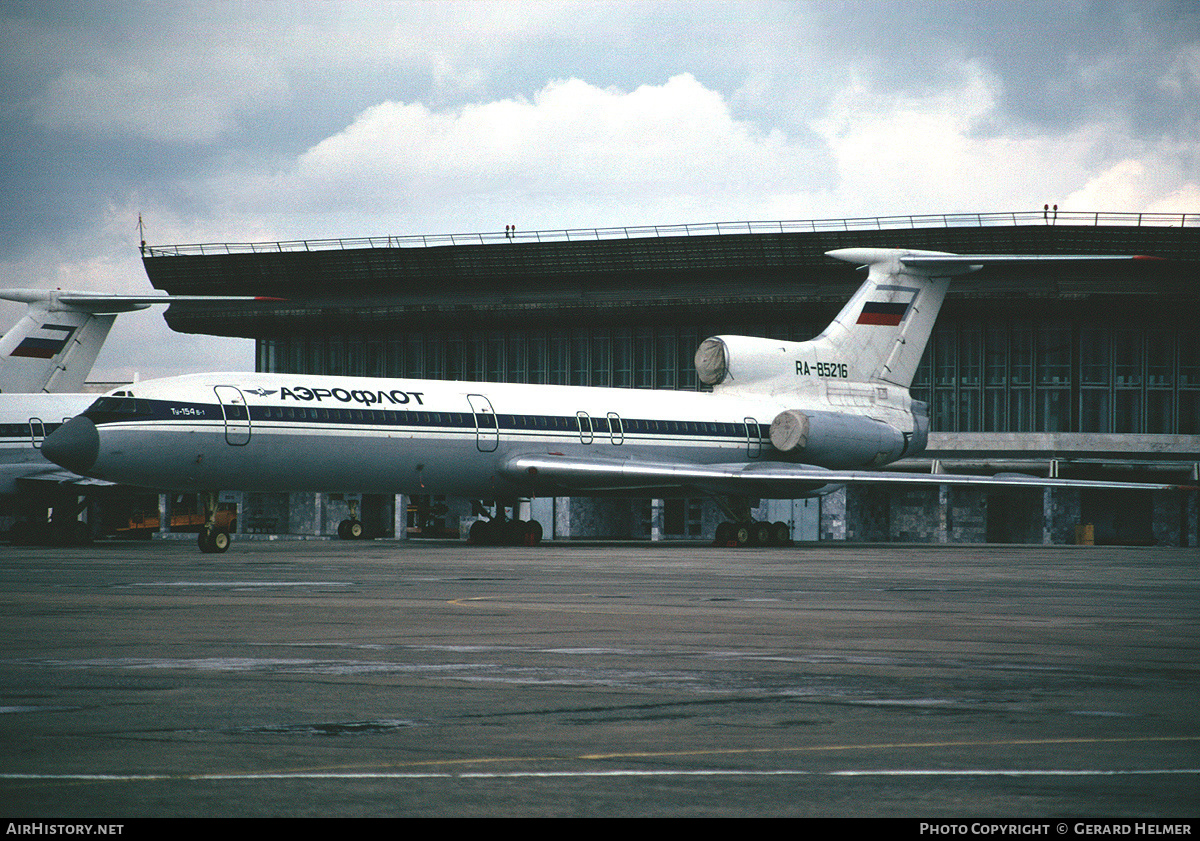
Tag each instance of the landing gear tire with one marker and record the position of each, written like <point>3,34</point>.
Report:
<point>350,530</point>
<point>725,535</point>
<point>213,542</point>
<point>481,533</point>
<point>761,534</point>
<point>532,535</point>
<point>743,534</point>
<point>514,533</point>
<point>752,533</point>
<point>781,534</point>
<point>506,533</point>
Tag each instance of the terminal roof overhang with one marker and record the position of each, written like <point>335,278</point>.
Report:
<point>367,286</point>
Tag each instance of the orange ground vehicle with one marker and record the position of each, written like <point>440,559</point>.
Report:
<point>142,524</point>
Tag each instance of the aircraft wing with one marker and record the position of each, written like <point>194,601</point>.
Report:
<point>26,477</point>
<point>547,474</point>
<point>63,477</point>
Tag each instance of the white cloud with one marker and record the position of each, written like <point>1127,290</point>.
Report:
<point>1182,77</point>
<point>573,141</point>
<point>1133,185</point>
<point>949,151</point>
<point>575,154</point>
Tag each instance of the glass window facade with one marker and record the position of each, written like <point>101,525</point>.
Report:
<point>1011,374</point>
<point>1054,376</point>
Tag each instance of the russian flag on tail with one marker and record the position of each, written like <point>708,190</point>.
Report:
<point>882,312</point>
<point>45,343</point>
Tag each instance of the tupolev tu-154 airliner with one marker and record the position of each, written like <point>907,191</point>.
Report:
<point>783,420</point>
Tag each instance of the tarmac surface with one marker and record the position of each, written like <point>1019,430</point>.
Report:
<point>418,678</point>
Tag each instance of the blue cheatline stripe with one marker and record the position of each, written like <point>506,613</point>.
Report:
<point>127,409</point>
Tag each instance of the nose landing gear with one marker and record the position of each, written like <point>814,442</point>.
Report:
<point>212,540</point>
<point>350,530</point>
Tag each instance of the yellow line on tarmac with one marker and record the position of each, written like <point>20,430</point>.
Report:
<point>892,746</point>
<point>433,763</point>
<point>347,769</point>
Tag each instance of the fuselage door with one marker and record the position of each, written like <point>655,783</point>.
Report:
<point>615,430</point>
<point>585,427</point>
<point>753,439</point>
<point>237,415</point>
<point>487,431</point>
<point>37,432</point>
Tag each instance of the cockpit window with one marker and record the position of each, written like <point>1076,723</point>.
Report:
<point>112,407</point>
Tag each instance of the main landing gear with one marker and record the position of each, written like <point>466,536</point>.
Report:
<point>215,540</point>
<point>753,533</point>
<point>499,531</point>
<point>741,530</point>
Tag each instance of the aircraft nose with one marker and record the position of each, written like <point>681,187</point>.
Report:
<point>75,445</point>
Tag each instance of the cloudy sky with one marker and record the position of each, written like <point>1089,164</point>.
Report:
<point>234,122</point>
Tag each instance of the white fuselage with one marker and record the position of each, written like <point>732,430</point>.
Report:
<point>25,421</point>
<point>426,436</point>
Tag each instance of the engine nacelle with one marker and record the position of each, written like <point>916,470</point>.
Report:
<point>836,440</point>
<point>744,359</point>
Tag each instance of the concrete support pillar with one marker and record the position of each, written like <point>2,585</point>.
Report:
<point>306,513</point>
<point>942,531</point>
<point>1192,528</point>
<point>656,519</point>
<point>1060,514</point>
<point>542,509</point>
<point>240,501</point>
<point>164,513</point>
<point>833,515</point>
<point>400,517</point>
<point>1175,518</point>
<point>562,517</point>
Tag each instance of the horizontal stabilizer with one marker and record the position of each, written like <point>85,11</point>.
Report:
<point>56,300</point>
<point>958,263</point>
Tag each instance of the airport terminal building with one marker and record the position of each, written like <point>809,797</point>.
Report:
<point>1087,370</point>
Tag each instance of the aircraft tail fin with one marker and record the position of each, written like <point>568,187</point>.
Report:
<point>884,328</point>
